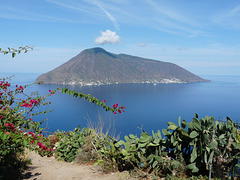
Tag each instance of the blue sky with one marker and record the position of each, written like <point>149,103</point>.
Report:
<point>202,36</point>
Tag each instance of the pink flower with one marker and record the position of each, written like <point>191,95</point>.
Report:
<point>115,105</point>
<point>51,92</point>
<point>30,133</point>
<point>27,105</point>
<point>33,101</point>
<point>7,133</point>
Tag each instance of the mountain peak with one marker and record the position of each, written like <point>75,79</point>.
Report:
<point>95,50</point>
<point>98,50</point>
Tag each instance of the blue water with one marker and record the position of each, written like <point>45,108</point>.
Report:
<point>147,106</point>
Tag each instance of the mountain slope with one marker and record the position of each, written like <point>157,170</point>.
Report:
<point>96,66</point>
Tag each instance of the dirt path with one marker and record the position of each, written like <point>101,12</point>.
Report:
<point>44,168</point>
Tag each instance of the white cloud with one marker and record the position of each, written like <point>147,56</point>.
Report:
<point>107,37</point>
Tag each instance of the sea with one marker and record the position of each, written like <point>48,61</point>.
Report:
<point>148,106</point>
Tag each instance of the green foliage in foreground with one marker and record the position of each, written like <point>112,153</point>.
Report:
<point>188,149</point>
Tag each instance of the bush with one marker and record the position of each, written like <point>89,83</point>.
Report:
<point>17,128</point>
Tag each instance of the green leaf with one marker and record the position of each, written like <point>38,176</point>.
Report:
<point>155,164</point>
<point>156,141</point>
<point>193,134</point>
<point>196,125</point>
<point>222,136</point>
<point>13,55</point>
<point>205,138</point>
<point>196,115</point>
<point>212,145</point>
<point>172,127</point>
<point>131,136</point>
<point>211,156</point>
<point>195,170</point>
<point>165,132</point>
<point>151,144</point>
<point>141,145</point>
<point>172,139</point>
<point>18,140</point>
<point>179,121</point>
<point>205,157</point>
<point>24,143</point>
<point>145,137</point>
<point>149,157</point>
<point>159,134</point>
<point>191,166</point>
<point>236,145</point>
<point>190,125</point>
<point>171,123</point>
<point>3,137</point>
<point>208,150</point>
<point>121,142</point>
<point>194,154</point>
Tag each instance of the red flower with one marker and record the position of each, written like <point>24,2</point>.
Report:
<point>104,101</point>
<point>115,112</point>
<point>115,105</point>
<point>33,101</point>
<point>51,92</point>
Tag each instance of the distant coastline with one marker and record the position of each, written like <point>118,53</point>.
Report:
<point>98,83</point>
<point>26,78</point>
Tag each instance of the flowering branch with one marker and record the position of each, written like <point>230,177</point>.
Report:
<point>115,109</point>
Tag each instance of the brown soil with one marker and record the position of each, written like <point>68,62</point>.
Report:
<point>48,168</point>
